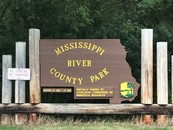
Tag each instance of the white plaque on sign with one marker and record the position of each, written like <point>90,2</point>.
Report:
<point>18,74</point>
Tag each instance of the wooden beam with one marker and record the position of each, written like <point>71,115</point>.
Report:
<point>20,84</point>
<point>34,63</point>
<point>162,73</point>
<point>147,71</point>
<point>6,84</point>
<point>162,78</point>
<point>172,76</point>
<point>87,108</point>
<point>6,87</point>
<point>147,66</point>
<point>34,37</point>
<point>20,63</point>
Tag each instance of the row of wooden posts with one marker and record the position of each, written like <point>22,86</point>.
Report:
<point>20,88</point>
<point>20,108</point>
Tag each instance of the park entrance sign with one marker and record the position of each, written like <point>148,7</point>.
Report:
<point>87,69</point>
<point>91,68</point>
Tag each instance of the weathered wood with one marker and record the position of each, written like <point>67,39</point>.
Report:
<point>6,87</point>
<point>147,71</point>
<point>33,118</point>
<point>147,119</point>
<point>6,119</point>
<point>21,119</point>
<point>162,119</point>
<point>87,108</point>
<point>162,73</point>
<point>34,37</point>
<point>20,63</point>
<point>147,66</point>
<point>162,78</point>
<point>172,76</point>
<point>6,84</point>
<point>34,63</point>
<point>20,84</point>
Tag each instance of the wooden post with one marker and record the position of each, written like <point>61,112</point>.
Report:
<point>162,73</point>
<point>20,63</point>
<point>35,97</point>
<point>172,76</point>
<point>147,71</point>
<point>6,87</point>
<point>19,84</point>
<point>162,78</point>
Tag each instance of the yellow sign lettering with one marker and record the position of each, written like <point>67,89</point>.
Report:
<point>105,71</point>
<point>78,63</point>
<point>65,78</point>
<point>79,45</point>
<point>99,76</point>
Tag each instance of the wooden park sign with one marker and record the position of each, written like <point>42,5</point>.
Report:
<point>95,68</point>
<point>88,69</point>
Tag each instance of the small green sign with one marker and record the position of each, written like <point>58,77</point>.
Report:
<point>126,90</point>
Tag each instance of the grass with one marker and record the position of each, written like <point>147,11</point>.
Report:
<point>49,123</point>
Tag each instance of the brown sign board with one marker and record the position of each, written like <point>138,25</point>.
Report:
<point>87,64</point>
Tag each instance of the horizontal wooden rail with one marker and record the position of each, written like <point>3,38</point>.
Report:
<point>86,108</point>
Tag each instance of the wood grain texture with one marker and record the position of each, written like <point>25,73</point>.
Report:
<point>34,64</point>
<point>34,37</point>
<point>20,84</point>
<point>6,84</point>
<point>87,108</point>
<point>6,87</point>
<point>6,119</point>
<point>21,119</point>
<point>33,118</point>
<point>147,71</point>
<point>147,66</point>
<point>147,119</point>
<point>162,78</point>
<point>161,119</point>
<point>172,76</point>
<point>20,63</point>
<point>162,73</point>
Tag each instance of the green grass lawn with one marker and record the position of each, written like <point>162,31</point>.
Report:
<point>70,124</point>
<point>85,126</point>
<point>98,126</point>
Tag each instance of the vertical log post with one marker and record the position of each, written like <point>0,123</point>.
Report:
<point>172,76</point>
<point>19,84</point>
<point>162,78</point>
<point>147,71</point>
<point>6,87</point>
<point>34,37</point>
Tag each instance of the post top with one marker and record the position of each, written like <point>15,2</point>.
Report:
<point>34,29</point>
<point>147,30</point>
<point>7,55</point>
